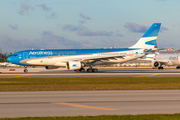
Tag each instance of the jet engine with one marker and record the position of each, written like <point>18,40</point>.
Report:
<point>155,64</point>
<point>74,65</point>
<point>51,67</point>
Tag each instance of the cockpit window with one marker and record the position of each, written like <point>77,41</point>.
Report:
<point>14,55</point>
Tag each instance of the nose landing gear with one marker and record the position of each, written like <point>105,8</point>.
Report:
<point>25,69</point>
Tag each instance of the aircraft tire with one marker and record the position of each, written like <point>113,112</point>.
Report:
<point>95,70</point>
<point>160,68</point>
<point>89,70</point>
<point>25,71</point>
<point>76,70</point>
<point>82,70</point>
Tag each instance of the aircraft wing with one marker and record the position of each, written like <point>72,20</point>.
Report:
<point>163,61</point>
<point>105,57</point>
<point>151,59</point>
<point>115,56</point>
<point>157,49</point>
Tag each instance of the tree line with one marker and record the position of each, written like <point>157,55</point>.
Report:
<point>4,56</point>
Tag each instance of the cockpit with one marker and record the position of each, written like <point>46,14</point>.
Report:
<point>15,55</point>
<point>14,58</point>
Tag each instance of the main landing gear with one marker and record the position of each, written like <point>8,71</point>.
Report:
<point>25,69</point>
<point>178,67</point>
<point>92,70</point>
<point>88,70</point>
<point>80,70</point>
<point>160,68</point>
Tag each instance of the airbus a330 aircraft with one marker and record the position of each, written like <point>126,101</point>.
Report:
<point>77,59</point>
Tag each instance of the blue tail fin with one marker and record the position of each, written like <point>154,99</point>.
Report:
<point>148,40</point>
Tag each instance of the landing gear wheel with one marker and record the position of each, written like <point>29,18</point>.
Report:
<point>82,70</point>
<point>160,68</point>
<point>178,67</point>
<point>95,70</point>
<point>89,70</point>
<point>92,70</point>
<point>76,70</point>
<point>25,71</point>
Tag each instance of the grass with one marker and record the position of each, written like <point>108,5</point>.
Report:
<point>96,83</point>
<point>106,117</point>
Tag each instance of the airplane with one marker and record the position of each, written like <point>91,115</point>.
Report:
<point>77,59</point>
<point>160,59</point>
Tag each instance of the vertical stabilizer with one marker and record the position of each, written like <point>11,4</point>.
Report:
<point>148,40</point>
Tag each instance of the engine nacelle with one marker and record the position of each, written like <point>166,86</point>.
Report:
<point>74,65</point>
<point>155,64</point>
<point>51,67</point>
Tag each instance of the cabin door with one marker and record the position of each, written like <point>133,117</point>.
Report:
<point>25,55</point>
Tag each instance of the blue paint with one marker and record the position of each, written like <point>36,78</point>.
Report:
<point>74,65</point>
<point>59,52</point>
<point>148,51</point>
<point>153,30</point>
<point>152,42</point>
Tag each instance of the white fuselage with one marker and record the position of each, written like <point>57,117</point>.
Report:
<point>62,60</point>
<point>169,59</point>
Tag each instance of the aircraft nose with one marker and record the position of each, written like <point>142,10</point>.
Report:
<point>9,59</point>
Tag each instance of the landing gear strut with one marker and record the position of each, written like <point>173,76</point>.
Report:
<point>25,69</point>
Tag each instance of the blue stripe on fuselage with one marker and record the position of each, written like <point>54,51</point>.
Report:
<point>55,52</point>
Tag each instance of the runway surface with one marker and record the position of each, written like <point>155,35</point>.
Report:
<point>101,73</point>
<point>74,103</point>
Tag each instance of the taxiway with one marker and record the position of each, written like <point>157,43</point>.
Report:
<point>75,103</point>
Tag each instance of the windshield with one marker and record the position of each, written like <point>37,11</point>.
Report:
<point>15,55</point>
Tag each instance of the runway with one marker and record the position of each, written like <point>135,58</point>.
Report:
<point>40,72</point>
<point>101,73</point>
<point>75,103</point>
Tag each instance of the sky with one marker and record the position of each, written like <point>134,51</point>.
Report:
<point>71,24</point>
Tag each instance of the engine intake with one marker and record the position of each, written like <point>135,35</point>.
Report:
<point>155,64</point>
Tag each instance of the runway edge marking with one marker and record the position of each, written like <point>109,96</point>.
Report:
<point>147,75</point>
<point>83,106</point>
